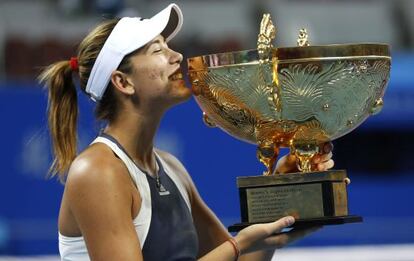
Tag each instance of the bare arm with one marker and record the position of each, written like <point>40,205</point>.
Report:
<point>256,242</point>
<point>99,196</point>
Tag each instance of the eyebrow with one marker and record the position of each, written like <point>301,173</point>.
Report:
<point>154,41</point>
<point>158,40</point>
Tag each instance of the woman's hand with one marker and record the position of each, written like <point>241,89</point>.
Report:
<point>266,236</point>
<point>320,162</point>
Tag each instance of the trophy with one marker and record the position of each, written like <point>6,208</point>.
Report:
<point>297,98</point>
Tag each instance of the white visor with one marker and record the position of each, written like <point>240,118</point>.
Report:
<point>128,35</point>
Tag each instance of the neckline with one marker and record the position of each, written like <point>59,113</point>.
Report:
<point>160,167</point>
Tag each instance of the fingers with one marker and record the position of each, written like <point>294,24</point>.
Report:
<point>281,240</point>
<point>325,165</point>
<point>323,161</point>
<point>253,237</point>
<point>268,236</point>
<point>320,158</point>
<point>296,234</point>
<point>286,164</point>
<point>326,147</point>
<point>277,226</point>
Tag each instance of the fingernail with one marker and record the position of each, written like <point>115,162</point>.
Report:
<point>290,220</point>
<point>328,147</point>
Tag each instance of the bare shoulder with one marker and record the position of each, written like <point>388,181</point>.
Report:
<point>99,194</point>
<point>97,163</point>
<point>95,171</point>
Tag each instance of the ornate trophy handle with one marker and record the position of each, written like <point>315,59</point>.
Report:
<point>268,63</point>
<point>267,150</point>
<point>266,36</point>
<point>303,38</point>
<point>304,154</point>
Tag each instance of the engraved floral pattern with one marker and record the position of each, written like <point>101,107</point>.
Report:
<point>335,96</point>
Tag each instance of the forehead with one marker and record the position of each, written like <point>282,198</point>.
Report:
<point>158,39</point>
<point>143,50</point>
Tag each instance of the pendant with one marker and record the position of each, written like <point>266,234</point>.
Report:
<point>161,190</point>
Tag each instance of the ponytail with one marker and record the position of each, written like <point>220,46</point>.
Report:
<point>63,105</point>
<point>62,113</point>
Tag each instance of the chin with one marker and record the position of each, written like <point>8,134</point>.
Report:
<point>180,91</point>
<point>184,96</point>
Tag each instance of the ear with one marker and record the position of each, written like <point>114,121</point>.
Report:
<point>122,82</point>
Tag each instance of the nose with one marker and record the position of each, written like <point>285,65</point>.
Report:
<point>175,57</point>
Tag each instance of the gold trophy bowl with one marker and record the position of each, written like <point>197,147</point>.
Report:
<point>295,97</point>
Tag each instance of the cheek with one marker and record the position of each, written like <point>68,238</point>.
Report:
<point>152,74</point>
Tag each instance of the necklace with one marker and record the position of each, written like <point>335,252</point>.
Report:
<point>161,189</point>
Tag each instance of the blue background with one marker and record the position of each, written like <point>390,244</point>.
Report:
<point>29,202</point>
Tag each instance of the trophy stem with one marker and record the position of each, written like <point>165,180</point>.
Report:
<point>304,154</point>
<point>267,154</point>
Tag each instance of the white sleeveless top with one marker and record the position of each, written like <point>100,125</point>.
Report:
<point>74,248</point>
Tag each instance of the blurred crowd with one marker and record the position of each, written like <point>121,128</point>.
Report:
<point>35,33</point>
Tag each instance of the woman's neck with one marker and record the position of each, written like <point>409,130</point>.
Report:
<point>136,131</point>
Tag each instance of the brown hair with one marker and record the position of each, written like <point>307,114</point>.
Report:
<point>62,97</point>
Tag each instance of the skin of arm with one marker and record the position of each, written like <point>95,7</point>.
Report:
<point>105,187</point>
<point>99,193</point>
<point>212,234</point>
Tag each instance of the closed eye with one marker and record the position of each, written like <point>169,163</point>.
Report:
<point>156,46</point>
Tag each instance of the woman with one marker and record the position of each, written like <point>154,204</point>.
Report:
<point>124,199</point>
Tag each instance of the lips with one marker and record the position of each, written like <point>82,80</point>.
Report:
<point>177,75</point>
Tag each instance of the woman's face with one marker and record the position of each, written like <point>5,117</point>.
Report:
<point>153,68</point>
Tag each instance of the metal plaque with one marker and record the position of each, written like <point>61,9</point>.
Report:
<point>270,203</point>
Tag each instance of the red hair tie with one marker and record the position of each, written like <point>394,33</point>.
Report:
<point>74,64</point>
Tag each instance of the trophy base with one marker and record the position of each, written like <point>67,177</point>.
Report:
<point>314,198</point>
<point>305,223</point>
